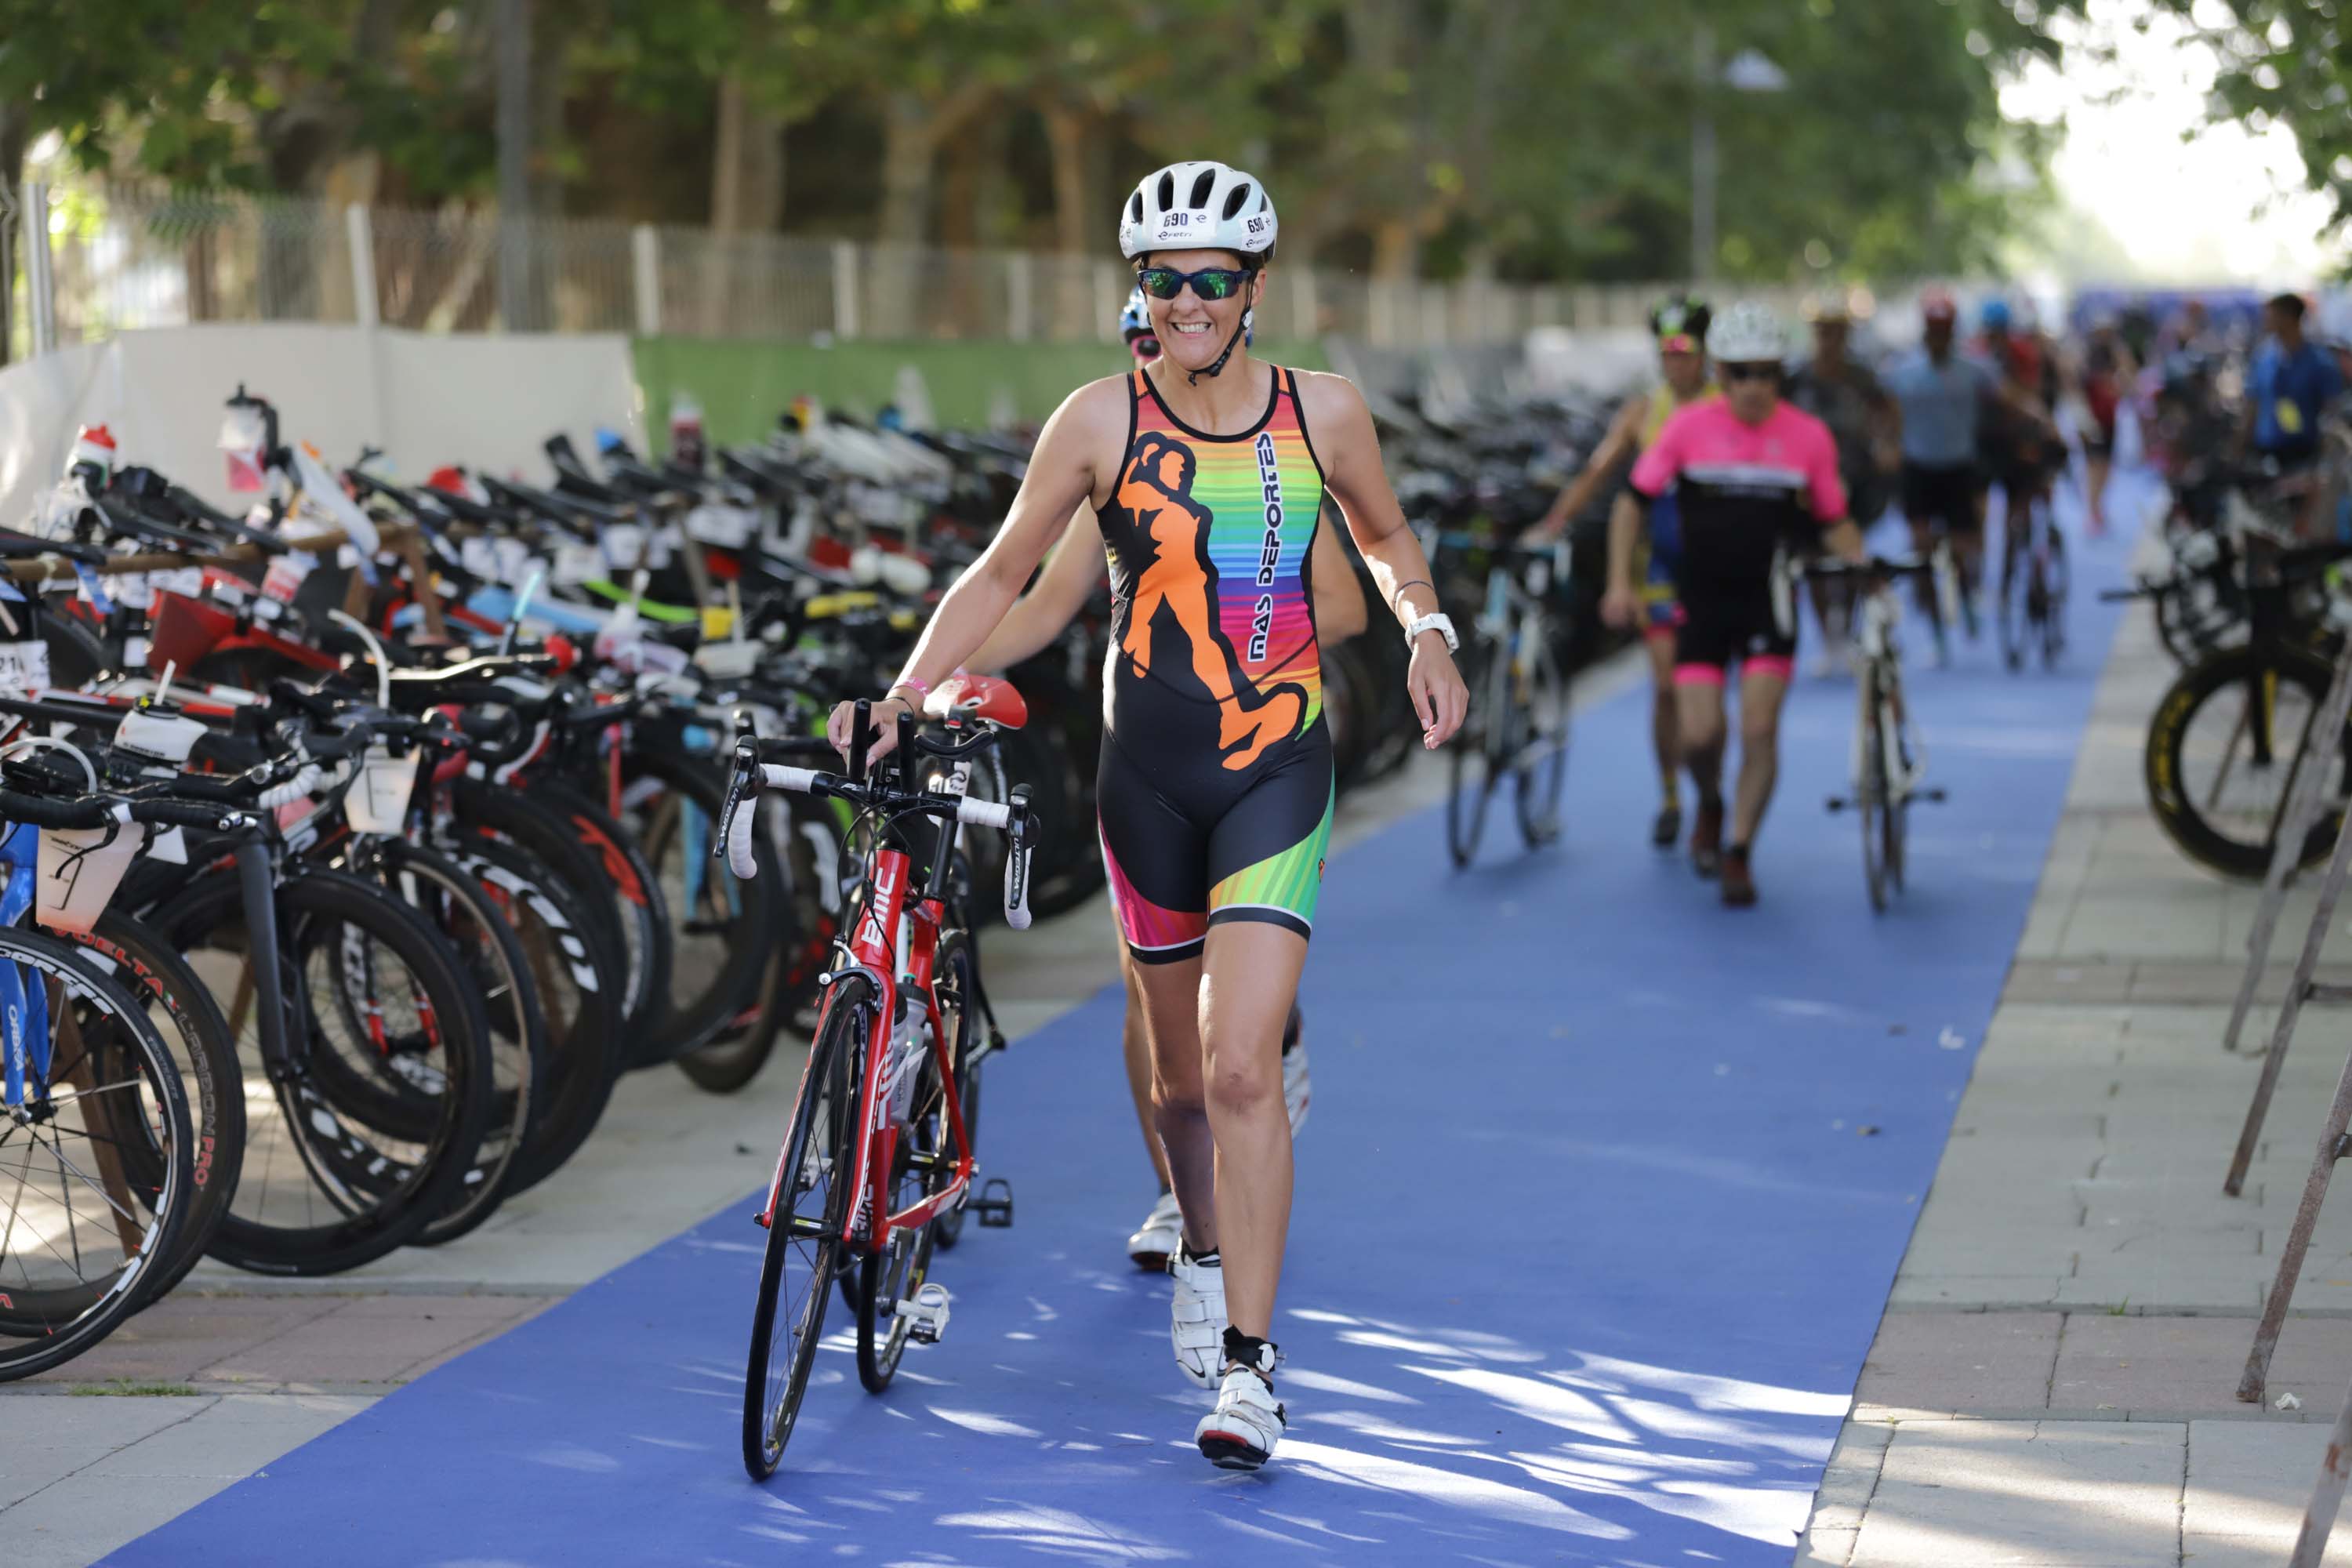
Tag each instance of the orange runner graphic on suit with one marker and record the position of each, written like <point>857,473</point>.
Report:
<point>1157,491</point>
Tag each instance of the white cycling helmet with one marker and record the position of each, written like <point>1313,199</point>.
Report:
<point>1197,206</point>
<point>1750,332</point>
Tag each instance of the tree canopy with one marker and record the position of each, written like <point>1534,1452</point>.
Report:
<point>1512,138</point>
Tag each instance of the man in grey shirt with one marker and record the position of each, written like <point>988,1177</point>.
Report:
<point>1939,398</point>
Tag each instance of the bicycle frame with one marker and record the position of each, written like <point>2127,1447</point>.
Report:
<point>894,947</point>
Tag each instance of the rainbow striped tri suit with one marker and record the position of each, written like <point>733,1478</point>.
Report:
<point>1215,785</point>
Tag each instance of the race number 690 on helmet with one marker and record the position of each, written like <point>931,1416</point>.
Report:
<point>1197,206</point>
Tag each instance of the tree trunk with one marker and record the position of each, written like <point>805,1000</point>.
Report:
<point>904,217</point>
<point>1072,135</point>
<point>1396,250</point>
<point>14,131</point>
<point>746,196</point>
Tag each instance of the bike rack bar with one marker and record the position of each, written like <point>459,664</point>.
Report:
<point>2334,1468</point>
<point>2305,803</point>
<point>2300,990</point>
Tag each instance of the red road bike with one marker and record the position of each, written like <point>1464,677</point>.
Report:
<point>878,1154</point>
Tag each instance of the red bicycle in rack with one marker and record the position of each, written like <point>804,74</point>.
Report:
<point>879,1152</point>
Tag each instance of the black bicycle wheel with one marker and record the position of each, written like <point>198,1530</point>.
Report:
<point>1542,770</point>
<point>513,816</point>
<point>2054,574</point>
<point>2227,743</point>
<point>804,1227</point>
<point>474,924</point>
<point>192,1027</point>
<point>1481,753</point>
<point>1871,789</point>
<point>351,1149</point>
<point>97,1157</point>
<point>576,990</point>
<point>636,894</point>
<point>723,928</point>
<point>2016,589</point>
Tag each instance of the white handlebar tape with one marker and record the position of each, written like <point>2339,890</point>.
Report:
<point>984,814</point>
<point>800,780</point>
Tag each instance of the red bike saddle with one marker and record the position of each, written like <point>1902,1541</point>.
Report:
<point>978,697</point>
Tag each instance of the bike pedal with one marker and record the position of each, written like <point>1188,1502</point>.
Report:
<point>926,1315</point>
<point>1838,803</point>
<point>994,1204</point>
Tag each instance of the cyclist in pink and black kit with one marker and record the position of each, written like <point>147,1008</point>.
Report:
<point>1757,485</point>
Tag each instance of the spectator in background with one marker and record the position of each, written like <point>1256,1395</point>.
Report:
<point>2108,370</point>
<point>2292,380</point>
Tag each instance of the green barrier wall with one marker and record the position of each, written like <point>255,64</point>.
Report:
<point>742,386</point>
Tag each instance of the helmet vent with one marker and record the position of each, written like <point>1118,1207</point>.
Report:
<point>1135,207</point>
<point>1236,201</point>
<point>1167,190</point>
<point>1203,185</point>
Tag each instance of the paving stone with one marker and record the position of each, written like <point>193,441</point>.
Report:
<point>1974,1291</point>
<point>2249,1484</point>
<point>2166,1285</point>
<point>81,1519</point>
<point>51,1436</point>
<point>176,1337</point>
<point>2059,979</point>
<point>2184,1364</point>
<point>1960,1360</point>
<point>1962,1494</point>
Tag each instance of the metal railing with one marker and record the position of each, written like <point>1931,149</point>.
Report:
<point>124,258</point>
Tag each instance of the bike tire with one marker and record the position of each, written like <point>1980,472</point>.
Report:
<point>132,953</point>
<point>2239,673</point>
<point>636,894</point>
<point>576,1003</point>
<point>361,1198</point>
<point>508,814</point>
<point>45,1326</point>
<point>1872,793</point>
<point>1475,769</point>
<point>822,1119</point>
<point>1542,775</point>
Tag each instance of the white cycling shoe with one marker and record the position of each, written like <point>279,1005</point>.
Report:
<point>1196,1320</point>
<point>1155,1240</point>
<point>1241,1432</point>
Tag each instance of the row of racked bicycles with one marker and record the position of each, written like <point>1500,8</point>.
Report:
<point>351,846</point>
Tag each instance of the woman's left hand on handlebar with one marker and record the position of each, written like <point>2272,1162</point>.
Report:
<point>1439,697</point>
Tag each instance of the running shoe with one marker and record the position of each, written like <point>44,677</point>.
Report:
<point>1668,827</point>
<point>1738,885</point>
<point>1706,838</point>
<point>1196,1316</point>
<point>1154,1241</point>
<point>1241,1432</point>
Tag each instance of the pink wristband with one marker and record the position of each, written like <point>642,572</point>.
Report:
<point>923,687</point>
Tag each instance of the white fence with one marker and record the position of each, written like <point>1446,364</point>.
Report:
<point>117,259</point>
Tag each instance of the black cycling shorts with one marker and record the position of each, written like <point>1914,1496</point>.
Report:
<point>1188,844</point>
<point>1942,497</point>
<point>1729,621</point>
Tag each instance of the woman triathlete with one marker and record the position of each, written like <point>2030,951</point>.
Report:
<point>1207,471</point>
<point>1070,576</point>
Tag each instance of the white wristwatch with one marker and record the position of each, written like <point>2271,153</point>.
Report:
<point>1440,622</point>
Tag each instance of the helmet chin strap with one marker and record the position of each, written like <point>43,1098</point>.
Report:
<point>1192,377</point>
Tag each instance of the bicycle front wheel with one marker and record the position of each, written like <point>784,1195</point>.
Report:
<point>2229,738</point>
<point>1481,756</point>
<point>1870,792</point>
<point>804,1228</point>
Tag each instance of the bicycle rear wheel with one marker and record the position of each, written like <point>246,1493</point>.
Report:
<point>2015,615</point>
<point>804,1228</point>
<point>1542,771</point>
<point>2054,574</point>
<point>97,1156</point>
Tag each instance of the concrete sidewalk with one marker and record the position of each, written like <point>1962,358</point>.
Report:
<point>2055,1381</point>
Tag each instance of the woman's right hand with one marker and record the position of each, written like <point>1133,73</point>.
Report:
<point>1620,606</point>
<point>884,715</point>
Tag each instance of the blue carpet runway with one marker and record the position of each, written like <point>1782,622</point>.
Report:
<point>1602,1195</point>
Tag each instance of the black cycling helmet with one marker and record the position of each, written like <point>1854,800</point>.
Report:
<point>1681,316</point>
